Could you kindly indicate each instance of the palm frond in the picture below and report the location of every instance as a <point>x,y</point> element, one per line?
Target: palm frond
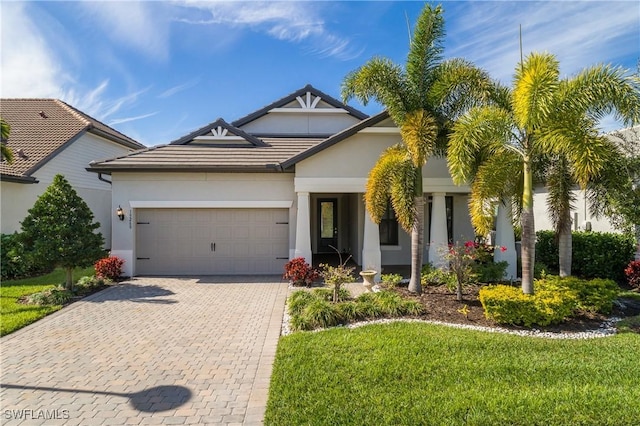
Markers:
<point>425,52</point>
<point>380,80</point>
<point>497,178</point>
<point>379,182</point>
<point>459,85</point>
<point>534,89</point>
<point>476,136</point>
<point>601,90</point>
<point>419,133</point>
<point>403,192</point>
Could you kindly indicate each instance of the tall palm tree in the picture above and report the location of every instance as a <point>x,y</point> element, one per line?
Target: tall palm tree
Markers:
<point>422,98</point>
<point>5,151</point>
<point>495,146</point>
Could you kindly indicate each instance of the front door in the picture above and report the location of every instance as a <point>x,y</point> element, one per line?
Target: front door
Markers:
<point>327,225</point>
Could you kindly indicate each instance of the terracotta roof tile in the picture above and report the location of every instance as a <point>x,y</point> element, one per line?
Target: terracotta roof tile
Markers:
<point>40,127</point>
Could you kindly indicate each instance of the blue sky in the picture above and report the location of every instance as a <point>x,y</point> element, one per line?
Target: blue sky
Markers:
<point>157,70</point>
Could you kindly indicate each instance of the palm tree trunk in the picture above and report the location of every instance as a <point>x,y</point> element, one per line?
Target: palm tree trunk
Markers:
<point>417,245</point>
<point>528,230</point>
<point>565,242</point>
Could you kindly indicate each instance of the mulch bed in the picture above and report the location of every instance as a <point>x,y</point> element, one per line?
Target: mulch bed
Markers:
<point>441,305</point>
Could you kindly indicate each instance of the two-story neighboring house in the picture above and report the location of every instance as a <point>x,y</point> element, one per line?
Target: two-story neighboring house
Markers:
<point>50,137</point>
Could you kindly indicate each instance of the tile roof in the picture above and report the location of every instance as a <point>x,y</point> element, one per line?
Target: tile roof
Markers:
<point>42,127</point>
<point>208,158</point>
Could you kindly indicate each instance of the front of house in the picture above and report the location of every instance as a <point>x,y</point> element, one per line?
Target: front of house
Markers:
<point>283,182</point>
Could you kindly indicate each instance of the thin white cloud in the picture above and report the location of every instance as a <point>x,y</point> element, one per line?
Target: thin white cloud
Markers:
<point>179,88</point>
<point>29,66</point>
<point>580,34</point>
<point>129,119</point>
<point>296,22</point>
<point>143,26</point>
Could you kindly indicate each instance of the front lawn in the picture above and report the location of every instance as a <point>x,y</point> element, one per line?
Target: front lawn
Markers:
<point>416,373</point>
<point>16,315</point>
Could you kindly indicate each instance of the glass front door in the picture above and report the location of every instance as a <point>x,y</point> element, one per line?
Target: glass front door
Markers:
<point>327,224</point>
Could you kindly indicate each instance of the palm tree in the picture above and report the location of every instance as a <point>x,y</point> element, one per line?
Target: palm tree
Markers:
<point>422,98</point>
<point>498,148</point>
<point>5,151</point>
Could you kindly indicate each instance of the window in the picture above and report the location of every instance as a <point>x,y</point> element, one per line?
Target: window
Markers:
<point>389,228</point>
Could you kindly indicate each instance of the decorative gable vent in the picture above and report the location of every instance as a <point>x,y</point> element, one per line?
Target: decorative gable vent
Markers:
<point>308,103</point>
<point>221,133</point>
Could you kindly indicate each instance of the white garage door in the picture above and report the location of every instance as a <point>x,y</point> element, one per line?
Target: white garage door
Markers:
<point>211,241</point>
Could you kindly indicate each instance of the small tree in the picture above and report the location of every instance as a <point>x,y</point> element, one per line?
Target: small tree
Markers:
<point>59,229</point>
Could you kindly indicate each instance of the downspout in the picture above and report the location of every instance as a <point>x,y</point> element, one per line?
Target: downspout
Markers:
<point>103,179</point>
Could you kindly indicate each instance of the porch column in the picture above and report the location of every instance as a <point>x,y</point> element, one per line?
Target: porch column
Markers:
<point>371,255</point>
<point>438,241</point>
<point>303,228</point>
<point>505,237</point>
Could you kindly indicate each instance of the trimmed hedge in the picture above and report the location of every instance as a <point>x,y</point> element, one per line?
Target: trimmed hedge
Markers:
<point>554,300</point>
<point>595,254</point>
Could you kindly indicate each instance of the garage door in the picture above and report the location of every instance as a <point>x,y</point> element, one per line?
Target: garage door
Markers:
<point>211,241</point>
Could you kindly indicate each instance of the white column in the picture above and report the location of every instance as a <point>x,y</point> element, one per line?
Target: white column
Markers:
<point>371,255</point>
<point>303,228</point>
<point>438,239</point>
<point>505,237</point>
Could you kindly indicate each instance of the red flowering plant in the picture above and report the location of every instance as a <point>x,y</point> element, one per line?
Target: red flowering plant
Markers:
<point>109,267</point>
<point>632,272</point>
<point>299,272</point>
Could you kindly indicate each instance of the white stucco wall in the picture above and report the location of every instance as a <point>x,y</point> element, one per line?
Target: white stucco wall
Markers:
<point>543,222</point>
<point>195,190</point>
<point>17,199</point>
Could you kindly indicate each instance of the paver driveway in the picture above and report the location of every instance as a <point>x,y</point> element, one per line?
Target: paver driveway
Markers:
<point>148,351</point>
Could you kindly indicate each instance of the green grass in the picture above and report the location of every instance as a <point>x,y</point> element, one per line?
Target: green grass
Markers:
<point>15,315</point>
<point>414,373</point>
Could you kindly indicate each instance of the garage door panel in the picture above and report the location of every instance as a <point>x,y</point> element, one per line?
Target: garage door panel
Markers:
<point>179,241</point>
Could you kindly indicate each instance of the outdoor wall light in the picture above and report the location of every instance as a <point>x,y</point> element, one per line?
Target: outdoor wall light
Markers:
<point>120,213</point>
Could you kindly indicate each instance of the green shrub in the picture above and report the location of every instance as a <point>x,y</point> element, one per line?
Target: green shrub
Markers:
<point>390,303</point>
<point>435,276</point>
<point>594,254</point>
<point>554,300</point>
<point>314,309</point>
<point>508,305</point>
<point>595,295</point>
<point>53,296</point>
<point>322,314</point>
<point>15,262</point>
<point>412,307</point>
<point>298,300</point>
<point>490,272</point>
<point>391,280</point>
<point>327,294</point>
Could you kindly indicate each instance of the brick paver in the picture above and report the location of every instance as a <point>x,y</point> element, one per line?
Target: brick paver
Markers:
<point>148,351</point>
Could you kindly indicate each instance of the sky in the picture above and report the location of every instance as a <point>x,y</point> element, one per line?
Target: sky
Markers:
<point>157,70</point>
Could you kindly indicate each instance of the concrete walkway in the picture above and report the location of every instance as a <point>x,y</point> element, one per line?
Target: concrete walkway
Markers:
<point>148,351</point>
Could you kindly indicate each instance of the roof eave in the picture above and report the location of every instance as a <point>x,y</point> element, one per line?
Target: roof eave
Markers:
<point>17,179</point>
<point>266,168</point>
